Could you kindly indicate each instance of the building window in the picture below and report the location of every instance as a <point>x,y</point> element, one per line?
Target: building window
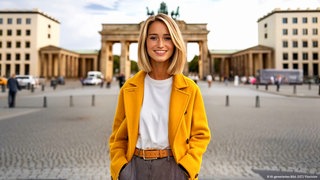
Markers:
<point>315,20</point>
<point>284,31</point>
<point>295,66</point>
<point>315,31</point>
<point>295,31</point>
<point>284,20</point>
<point>265,25</point>
<point>295,56</point>
<point>49,36</point>
<point>27,57</point>
<point>0,32</point>
<point>18,32</point>
<point>305,44</point>
<point>285,66</point>
<point>28,21</point>
<point>0,45</point>
<point>19,21</point>
<point>49,26</point>
<point>266,36</point>
<point>304,20</point>
<point>9,44</point>
<point>294,20</point>
<point>27,44</point>
<point>315,56</point>
<point>8,57</point>
<point>17,57</point>
<point>18,44</point>
<point>305,56</point>
<point>1,21</point>
<point>295,44</point>
<point>315,44</point>
<point>285,56</point>
<point>284,44</point>
<point>9,21</point>
<point>9,32</point>
<point>28,32</point>
<point>305,31</point>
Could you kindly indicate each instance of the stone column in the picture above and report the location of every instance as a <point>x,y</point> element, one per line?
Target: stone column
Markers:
<point>250,65</point>
<point>124,58</point>
<point>49,65</point>
<point>186,65</point>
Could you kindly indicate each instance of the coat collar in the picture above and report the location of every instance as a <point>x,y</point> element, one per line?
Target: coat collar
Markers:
<point>179,81</point>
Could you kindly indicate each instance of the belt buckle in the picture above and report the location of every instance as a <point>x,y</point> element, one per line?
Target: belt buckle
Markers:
<point>147,159</point>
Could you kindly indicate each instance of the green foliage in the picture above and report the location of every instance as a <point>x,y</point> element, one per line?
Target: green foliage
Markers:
<point>194,64</point>
<point>116,65</point>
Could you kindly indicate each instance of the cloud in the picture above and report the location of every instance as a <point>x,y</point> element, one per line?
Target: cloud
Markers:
<point>98,7</point>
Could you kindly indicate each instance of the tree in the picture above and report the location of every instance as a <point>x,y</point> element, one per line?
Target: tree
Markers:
<point>194,64</point>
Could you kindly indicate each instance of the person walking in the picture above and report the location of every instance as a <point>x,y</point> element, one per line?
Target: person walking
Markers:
<point>209,80</point>
<point>160,129</point>
<point>13,86</point>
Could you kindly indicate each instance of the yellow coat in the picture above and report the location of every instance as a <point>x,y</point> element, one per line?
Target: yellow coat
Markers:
<point>189,133</point>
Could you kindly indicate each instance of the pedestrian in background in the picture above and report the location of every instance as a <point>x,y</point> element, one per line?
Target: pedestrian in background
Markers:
<point>13,86</point>
<point>160,128</point>
<point>209,80</point>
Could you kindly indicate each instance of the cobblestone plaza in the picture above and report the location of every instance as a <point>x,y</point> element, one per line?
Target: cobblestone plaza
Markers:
<point>256,134</point>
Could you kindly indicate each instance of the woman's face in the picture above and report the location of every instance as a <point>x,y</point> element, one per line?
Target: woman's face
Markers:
<point>159,44</point>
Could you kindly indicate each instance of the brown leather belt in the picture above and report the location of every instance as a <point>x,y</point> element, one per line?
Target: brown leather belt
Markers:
<point>153,154</point>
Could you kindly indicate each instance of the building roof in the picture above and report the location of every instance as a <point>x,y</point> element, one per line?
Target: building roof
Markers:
<point>33,11</point>
<point>278,10</point>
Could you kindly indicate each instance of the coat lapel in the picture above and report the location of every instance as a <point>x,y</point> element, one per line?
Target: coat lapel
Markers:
<point>178,105</point>
<point>133,96</point>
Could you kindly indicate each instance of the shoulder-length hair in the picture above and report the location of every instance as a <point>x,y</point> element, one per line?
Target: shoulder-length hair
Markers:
<point>178,58</point>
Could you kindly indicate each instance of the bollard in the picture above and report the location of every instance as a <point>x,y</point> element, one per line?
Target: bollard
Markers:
<point>3,88</point>
<point>93,99</point>
<point>257,101</point>
<point>266,87</point>
<point>42,87</point>
<point>309,85</point>
<point>32,88</point>
<point>227,100</point>
<point>294,89</point>
<point>44,101</point>
<point>71,101</point>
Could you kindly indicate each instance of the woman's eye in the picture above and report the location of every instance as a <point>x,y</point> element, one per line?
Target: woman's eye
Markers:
<point>167,38</point>
<point>153,37</point>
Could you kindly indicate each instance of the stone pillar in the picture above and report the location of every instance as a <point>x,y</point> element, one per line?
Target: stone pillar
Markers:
<point>186,65</point>
<point>204,64</point>
<point>106,59</point>
<point>49,65</point>
<point>250,65</point>
<point>124,59</point>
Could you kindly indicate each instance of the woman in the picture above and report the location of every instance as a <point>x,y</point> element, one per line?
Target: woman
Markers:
<point>160,128</point>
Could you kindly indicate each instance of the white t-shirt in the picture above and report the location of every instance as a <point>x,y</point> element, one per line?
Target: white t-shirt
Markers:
<point>154,115</point>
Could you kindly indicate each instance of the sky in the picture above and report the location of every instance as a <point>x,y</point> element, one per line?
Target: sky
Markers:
<point>232,23</point>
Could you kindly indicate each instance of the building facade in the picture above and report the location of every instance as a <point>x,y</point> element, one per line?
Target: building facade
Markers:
<point>22,35</point>
<point>294,36</point>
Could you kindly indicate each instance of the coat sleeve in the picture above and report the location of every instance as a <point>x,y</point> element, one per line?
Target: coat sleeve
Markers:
<point>199,137</point>
<point>118,140</point>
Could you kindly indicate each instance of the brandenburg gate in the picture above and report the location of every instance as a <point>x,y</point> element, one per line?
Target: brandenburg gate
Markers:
<point>125,34</point>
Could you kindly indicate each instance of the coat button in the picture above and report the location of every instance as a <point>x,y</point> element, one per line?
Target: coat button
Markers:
<point>187,141</point>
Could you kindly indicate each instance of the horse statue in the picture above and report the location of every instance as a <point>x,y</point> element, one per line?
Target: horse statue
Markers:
<point>176,14</point>
<point>150,13</point>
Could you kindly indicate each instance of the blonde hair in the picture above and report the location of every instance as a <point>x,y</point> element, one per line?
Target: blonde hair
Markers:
<point>178,58</point>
